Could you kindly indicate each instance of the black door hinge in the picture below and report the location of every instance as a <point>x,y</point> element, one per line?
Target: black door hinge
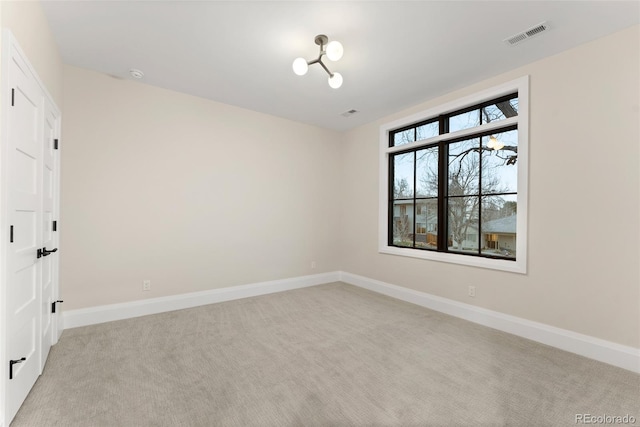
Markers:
<point>13,362</point>
<point>55,225</point>
<point>53,305</point>
<point>55,144</point>
<point>11,234</point>
<point>13,97</point>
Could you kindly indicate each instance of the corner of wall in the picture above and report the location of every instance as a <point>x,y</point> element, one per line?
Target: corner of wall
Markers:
<point>29,25</point>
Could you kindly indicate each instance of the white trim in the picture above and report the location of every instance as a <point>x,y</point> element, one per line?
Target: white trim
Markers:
<point>473,261</point>
<point>520,264</point>
<point>127,310</point>
<point>594,348</point>
<point>57,321</point>
<point>4,211</point>
<point>60,327</point>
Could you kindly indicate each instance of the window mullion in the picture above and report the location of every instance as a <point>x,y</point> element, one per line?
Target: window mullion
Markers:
<point>479,185</point>
<point>479,195</point>
<point>443,154</point>
<point>415,159</point>
<point>390,193</point>
<point>390,198</point>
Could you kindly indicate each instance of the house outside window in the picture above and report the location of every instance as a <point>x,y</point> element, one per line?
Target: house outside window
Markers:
<point>456,181</point>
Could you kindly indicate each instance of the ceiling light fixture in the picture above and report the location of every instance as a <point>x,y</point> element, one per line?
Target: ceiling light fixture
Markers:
<point>333,52</point>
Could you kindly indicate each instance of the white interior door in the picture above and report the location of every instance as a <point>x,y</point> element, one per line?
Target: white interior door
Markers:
<point>23,305</point>
<point>49,260</point>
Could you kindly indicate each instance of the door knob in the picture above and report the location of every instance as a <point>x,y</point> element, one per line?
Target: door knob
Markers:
<point>46,252</point>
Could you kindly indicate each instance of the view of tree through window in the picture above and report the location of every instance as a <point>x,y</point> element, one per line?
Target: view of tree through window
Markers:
<point>473,210</point>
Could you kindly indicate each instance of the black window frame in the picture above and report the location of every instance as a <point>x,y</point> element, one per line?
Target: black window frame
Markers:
<point>442,197</point>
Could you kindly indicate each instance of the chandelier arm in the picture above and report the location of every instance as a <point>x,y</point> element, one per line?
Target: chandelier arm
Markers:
<point>325,68</point>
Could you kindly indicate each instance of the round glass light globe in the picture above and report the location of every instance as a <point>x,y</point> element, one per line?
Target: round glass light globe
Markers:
<point>334,50</point>
<point>335,81</point>
<point>300,66</point>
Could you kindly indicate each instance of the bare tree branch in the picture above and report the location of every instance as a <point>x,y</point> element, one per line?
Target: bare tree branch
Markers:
<point>507,109</point>
<point>510,160</point>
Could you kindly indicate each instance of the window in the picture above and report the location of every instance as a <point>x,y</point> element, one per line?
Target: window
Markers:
<point>453,181</point>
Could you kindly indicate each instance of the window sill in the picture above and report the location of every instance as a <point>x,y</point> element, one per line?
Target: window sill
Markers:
<point>517,266</point>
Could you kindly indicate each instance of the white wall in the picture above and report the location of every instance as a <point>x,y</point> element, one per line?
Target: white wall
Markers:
<point>27,22</point>
<point>197,195</point>
<point>189,193</point>
<point>584,234</point>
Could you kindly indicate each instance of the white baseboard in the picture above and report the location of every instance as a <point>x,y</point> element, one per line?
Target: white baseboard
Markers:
<point>584,345</point>
<point>127,310</point>
<point>604,351</point>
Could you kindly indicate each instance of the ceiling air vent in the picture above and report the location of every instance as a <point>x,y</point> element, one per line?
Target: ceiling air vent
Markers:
<point>527,34</point>
<point>349,113</point>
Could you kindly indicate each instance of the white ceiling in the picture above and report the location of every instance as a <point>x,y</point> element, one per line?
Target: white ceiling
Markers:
<point>397,54</point>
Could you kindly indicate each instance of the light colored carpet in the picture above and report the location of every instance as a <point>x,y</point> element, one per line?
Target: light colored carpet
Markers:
<point>329,355</point>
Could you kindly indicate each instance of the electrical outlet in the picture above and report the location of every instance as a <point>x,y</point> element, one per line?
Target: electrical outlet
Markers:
<point>472,291</point>
<point>146,285</point>
<point>313,265</point>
